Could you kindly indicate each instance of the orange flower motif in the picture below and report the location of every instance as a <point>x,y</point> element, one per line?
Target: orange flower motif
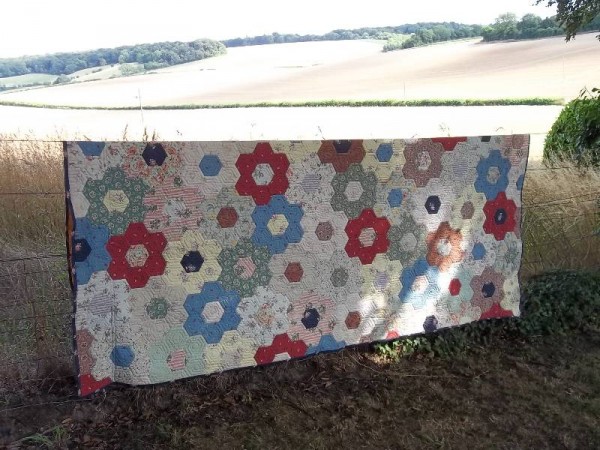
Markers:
<point>443,247</point>
<point>341,154</point>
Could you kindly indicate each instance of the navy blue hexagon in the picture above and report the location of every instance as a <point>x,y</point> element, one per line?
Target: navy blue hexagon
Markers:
<point>395,198</point>
<point>488,290</point>
<point>311,318</point>
<point>122,355</point>
<point>210,165</point>
<point>263,214</point>
<point>432,204</point>
<point>384,152</point>
<point>154,154</point>
<point>211,329</point>
<point>342,146</point>
<point>192,261</point>
<point>90,148</point>
<point>81,250</point>
<point>430,324</point>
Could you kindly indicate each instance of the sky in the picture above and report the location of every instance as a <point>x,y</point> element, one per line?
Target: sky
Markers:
<point>41,26</point>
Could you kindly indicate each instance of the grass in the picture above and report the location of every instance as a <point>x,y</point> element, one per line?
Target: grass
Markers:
<point>534,101</point>
<point>27,80</point>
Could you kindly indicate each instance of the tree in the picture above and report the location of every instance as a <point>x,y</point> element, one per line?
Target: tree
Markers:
<point>573,15</point>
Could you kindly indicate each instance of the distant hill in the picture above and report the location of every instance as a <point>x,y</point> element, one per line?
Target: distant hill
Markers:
<point>151,56</point>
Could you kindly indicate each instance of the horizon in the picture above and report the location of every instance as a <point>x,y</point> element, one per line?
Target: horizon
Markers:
<point>167,24</point>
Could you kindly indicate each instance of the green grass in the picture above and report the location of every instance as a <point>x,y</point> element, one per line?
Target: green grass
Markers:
<point>27,80</point>
<point>534,101</point>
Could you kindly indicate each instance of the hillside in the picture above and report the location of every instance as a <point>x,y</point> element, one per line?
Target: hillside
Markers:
<point>348,70</point>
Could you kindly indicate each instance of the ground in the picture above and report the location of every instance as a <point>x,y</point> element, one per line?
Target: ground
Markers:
<point>541,393</point>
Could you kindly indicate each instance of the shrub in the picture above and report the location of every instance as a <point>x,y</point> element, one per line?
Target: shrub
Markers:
<point>575,136</point>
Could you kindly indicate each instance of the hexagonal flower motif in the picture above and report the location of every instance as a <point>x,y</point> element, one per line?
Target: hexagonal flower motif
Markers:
<point>264,315</point>
<point>515,148</point>
<point>326,344</point>
<point>344,199</point>
<point>245,267</point>
<point>488,289</point>
<point>323,229</point>
<point>467,209</point>
<point>381,277</point>
<point>480,251</point>
<point>420,284</point>
<point>260,189</point>
<point>433,205</point>
<point>449,143</point>
<point>310,181</point>
<point>294,271</point>
<point>383,158</point>
<point>282,348</point>
<point>311,316</point>
<point>90,148</point>
<point>88,250</point>
<point>84,341</point>
<point>227,218</point>
<point>341,154</point>
<point>115,201</point>
<point>500,216</point>
<point>192,278</point>
<point>423,161</point>
<point>277,224</point>
<point>492,175</point>
<point>338,276</point>
<point>158,163</point>
<point>407,240</point>
<point>358,315</point>
<point>367,236</point>
<point>231,352</point>
<point>136,255</point>
<point>173,210</point>
<point>201,161</point>
<point>444,247</point>
<point>458,292</point>
<point>211,312</point>
<point>156,308</point>
<point>176,355</point>
<point>508,254</point>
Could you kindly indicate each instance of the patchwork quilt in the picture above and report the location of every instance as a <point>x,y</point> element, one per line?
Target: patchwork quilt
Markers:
<point>189,258</point>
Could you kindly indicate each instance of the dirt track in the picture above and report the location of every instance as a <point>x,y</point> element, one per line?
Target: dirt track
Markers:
<point>350,70</point>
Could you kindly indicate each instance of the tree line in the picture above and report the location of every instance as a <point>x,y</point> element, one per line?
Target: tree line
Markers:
<point>507,26</point>
<point>152,56</point>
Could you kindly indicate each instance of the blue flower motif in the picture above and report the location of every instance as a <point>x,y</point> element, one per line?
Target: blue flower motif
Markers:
<point>492,175</point>
<point>272,230</point>
<point>89,249</point>
<point>327,343</point>
<point>427,287</point>
<point>212,321</point>
<point>90,148</point>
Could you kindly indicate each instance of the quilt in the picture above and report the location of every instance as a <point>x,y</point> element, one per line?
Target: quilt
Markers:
<point>189,258</point>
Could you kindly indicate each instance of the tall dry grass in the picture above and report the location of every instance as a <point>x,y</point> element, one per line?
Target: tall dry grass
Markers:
<point>560,215</point>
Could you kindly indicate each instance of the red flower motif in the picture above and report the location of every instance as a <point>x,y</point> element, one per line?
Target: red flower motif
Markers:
<point>136,255</point>
<point>367,236</point>
<point>281,344</point>
<point>449,143</point>
<point>88,384</point>
<point>496,312</point>
<point>247,163</point>
<point>500,216</point>
<point>341,154</point>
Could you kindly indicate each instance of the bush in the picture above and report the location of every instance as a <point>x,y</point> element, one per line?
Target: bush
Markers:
<point>552,303</point>
<point>575,136</point>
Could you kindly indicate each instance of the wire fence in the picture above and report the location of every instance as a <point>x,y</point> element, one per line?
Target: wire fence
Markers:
<point>560,216</point>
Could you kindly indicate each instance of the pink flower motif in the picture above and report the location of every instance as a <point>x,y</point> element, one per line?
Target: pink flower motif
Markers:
<point>173,210</point>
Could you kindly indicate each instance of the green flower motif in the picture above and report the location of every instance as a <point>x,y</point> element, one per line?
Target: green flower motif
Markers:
<point>157,308</point>
<point>115,200</point>
<point>176,355</point>
<point>354,190</point>
<point>245,267</point>
<point>406,240</point>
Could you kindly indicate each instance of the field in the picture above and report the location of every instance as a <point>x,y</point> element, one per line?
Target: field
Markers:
<point>27,80</point>
<point>349,70</point>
